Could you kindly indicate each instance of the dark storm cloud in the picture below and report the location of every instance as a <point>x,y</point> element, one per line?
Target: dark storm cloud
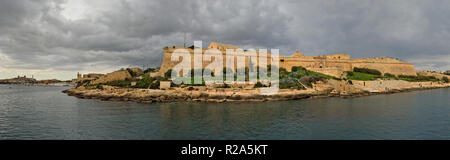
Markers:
<point>115,33</point>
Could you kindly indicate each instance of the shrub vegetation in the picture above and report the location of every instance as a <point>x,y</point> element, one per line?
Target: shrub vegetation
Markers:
<point>445,79</point>
<point>390,75</point>
<point>447,73</point>
<point>300,77</point>
<point>124,83</point>
<point>419,78</point>
<point>149,70</point>
<point>365,74</point>
<point>367,71</point>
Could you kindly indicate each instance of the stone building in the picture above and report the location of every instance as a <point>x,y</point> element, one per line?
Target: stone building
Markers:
<point>89,76</point>
<point>221,46</point>
<point>96,78</point>
<point>335,64</point>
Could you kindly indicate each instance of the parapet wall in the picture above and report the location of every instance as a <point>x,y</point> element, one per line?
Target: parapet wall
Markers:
<point>437,75</point>
<point>113,76</point>
<point>391,68</point>
<point>385,65</point>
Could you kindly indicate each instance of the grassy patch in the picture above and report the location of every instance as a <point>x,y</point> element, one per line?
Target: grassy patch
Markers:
<point>367,71</point>
<point>366,74</point>
<point>418,78</point>
<point>146,75</point>
<point>361,76</point>
<point>388,76</point>
<point>370,77</point>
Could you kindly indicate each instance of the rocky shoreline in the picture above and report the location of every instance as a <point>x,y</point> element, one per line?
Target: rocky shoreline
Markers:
<point>219,95</point>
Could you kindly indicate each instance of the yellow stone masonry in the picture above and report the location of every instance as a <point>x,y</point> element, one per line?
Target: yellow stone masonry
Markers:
<point>334,65</point>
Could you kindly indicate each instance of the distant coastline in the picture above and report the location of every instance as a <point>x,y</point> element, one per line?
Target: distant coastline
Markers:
<point>33,82</point>
<point>62,84</point>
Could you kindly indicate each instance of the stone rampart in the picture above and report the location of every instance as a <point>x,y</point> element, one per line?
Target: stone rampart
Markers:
<point>341,62</point>
<point>113,76</point>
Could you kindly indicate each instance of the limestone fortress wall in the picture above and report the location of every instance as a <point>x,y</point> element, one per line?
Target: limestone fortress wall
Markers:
<point>334,65</point>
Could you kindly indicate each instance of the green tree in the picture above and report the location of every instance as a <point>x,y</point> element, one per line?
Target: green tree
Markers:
<point>445,79</point>
<point>168,74</point>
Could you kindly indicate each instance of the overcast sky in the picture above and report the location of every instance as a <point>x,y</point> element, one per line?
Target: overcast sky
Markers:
<point>57,38</point>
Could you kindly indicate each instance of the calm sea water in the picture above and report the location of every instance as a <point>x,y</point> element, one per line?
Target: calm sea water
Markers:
<point>28,112</point>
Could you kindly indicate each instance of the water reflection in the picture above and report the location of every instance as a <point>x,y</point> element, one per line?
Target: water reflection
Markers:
<point>46,113</point>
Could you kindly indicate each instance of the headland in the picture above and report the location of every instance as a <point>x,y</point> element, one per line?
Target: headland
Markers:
<point>24,80</point>
<point>300,77</point>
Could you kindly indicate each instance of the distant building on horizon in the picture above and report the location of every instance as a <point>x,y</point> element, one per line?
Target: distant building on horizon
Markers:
<point>18,80</point>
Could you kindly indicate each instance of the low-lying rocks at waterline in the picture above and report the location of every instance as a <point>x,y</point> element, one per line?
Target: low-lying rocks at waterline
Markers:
<point>332,88</point>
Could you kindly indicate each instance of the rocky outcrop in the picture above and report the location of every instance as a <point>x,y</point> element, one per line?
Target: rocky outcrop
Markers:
<point>196,94</point>
<point>437,75</point>
<point>332,88</point>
